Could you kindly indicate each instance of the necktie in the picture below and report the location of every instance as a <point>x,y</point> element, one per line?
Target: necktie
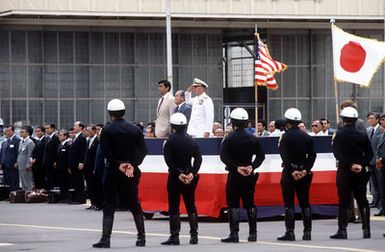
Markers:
<point>371,134</point>
<point>159,105</point>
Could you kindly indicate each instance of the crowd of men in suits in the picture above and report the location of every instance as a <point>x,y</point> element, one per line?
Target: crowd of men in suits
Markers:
<point>55,160</point>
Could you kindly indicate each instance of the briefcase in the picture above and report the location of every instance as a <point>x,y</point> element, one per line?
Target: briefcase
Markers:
<point>37,196</point>
<point>4,192</point>
<point>17,196</point>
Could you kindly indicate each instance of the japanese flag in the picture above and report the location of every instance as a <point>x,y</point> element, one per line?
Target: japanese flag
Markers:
<point>356,59</point>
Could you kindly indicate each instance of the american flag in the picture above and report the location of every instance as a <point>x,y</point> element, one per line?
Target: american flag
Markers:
<point>265,66</point>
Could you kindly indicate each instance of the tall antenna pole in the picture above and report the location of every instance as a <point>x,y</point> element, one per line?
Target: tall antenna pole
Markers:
<point>169,44</point>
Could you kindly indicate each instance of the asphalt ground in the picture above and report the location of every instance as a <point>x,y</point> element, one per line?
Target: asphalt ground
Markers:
<point>61,227</point>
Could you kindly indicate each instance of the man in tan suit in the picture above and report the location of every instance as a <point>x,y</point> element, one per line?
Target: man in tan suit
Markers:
<point>164,110</point>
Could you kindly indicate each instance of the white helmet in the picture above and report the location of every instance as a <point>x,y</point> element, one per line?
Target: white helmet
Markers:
<point>115,105</point>
<point>239,114</point>
<point>349,112</point>
<point>178,119</point>
<point>293,114</point>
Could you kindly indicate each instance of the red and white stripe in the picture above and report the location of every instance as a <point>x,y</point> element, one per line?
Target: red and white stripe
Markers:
<point>266,67</point>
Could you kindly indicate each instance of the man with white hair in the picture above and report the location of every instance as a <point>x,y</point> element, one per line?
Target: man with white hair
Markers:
<point>202,114</point>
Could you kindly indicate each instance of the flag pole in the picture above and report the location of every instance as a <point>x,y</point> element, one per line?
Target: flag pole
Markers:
<point>255,85</point>
<point>337,106</point>
<point>169,44</point>
<point>332,21</point>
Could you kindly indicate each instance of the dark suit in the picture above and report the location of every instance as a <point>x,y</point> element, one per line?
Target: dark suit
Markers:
<point>37,168</point>
<point>376,178</point>
<point>76,155</point>
<point>8,157</point>
<point>184,109</point>
<point>99,177</point>
<point>49,158</point>
<point>89,163</point>
<point>62,169</point>
<point>381,174</point>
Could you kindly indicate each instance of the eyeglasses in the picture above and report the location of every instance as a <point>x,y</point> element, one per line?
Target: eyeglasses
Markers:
<point>314,125</point>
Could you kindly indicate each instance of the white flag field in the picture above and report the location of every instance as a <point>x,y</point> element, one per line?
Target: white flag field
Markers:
<point>356,59</point>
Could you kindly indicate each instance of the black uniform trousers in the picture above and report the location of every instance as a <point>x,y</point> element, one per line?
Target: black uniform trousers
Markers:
<point>348,182</point>
<point>175,189</point>
<point>117,184</point>
<point>290,187</point>
<point>237,187</point>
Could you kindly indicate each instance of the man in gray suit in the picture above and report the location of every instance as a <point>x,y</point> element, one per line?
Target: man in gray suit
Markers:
<point>181,105</point>
<point>25,151</point>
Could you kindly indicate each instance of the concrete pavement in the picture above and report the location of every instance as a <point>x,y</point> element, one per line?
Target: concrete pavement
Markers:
<point>59,227</point>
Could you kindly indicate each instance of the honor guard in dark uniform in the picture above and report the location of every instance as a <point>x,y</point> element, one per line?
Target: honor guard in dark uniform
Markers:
<point>183,177</point>
<point>237,151</point>
<point>353,151</point>
<point>124,148</point>
<point>298,156</point>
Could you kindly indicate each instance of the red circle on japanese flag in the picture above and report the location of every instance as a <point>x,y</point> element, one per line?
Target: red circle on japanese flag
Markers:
<point>352,57</point>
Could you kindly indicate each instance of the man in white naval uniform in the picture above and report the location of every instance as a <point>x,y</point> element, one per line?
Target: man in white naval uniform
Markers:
<point>202,112</point>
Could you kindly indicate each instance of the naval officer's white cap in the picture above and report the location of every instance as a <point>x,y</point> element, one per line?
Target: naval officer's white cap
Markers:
<point>198,82</point>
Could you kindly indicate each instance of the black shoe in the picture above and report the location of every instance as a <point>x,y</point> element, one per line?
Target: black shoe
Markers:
<point>340,234</point>
<point>252,237</point>
<point>288,236</point>
<point>172,240</point>
<point>306,236</point>
<point>140,242</point>
<point>194,239</point>
<point>231,239</point>
<point>101,244</point>
<point>92,207</point>
<point>193,222</point>
<point>380,213</point>
<point>366,234</point>
<point>289,225</point>
<point>234,226</point>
